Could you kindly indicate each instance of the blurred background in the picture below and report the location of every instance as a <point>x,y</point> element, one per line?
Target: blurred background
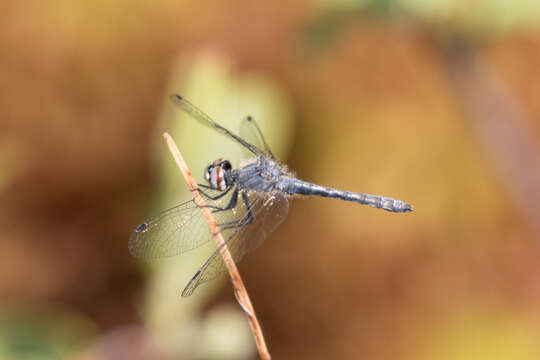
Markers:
<point>435,103</point>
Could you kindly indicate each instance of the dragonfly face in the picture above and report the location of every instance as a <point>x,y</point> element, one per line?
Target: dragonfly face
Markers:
<point>215,174</point>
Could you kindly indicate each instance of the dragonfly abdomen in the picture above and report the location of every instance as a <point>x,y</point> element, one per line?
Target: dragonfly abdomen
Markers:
<point>380,202</point>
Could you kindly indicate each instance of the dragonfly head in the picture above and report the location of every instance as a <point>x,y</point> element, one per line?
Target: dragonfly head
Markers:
<point>215,174</point>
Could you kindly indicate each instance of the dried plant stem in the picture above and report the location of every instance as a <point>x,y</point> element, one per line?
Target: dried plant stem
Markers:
<point>238,284</point>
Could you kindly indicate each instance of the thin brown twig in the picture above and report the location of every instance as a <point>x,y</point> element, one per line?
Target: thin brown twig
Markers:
<point>238,285</point>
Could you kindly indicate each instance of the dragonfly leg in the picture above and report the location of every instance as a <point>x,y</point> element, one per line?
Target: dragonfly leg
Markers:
<point>248,219</point>
<point>229,225</point>
<point>230,205</point>
<point>249,213</point>
<point>212,197</point>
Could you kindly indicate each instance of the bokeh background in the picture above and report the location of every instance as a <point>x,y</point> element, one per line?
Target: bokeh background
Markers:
<point>435,103</point>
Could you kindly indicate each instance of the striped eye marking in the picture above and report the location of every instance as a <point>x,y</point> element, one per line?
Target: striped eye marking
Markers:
<point>215,174</point>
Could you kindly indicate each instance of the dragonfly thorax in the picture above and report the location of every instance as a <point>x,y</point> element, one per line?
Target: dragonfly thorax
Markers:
<point>215,174</point>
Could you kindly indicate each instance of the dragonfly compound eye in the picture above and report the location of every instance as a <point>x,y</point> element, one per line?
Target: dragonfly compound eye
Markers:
<point>226,165</point>
<point>208,173</point>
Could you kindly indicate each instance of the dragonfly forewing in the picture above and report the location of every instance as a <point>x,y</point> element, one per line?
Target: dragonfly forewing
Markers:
<point>178,229</point>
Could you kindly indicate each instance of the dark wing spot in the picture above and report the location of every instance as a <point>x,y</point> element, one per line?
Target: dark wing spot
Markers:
<point>143,226</point>
<point>249,118</point>
<point>196,274</point>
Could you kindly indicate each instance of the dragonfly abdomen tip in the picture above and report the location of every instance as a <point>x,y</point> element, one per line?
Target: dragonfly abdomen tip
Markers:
<point>407,208</point>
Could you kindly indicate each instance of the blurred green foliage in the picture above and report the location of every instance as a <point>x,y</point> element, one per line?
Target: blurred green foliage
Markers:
<point>208,83</point>
<point>43,333</point>
<point>476,20</point>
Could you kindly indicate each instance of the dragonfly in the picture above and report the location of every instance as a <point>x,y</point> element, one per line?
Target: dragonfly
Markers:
<point>247,202</point>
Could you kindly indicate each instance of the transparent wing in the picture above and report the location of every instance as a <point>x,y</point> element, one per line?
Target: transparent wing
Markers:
<point>268,211</point>
<point>178,229</point>
<point>251,132</point>
<point>206,120</point>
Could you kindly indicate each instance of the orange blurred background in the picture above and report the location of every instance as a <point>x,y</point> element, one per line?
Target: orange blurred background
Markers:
<point>434,103</point>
